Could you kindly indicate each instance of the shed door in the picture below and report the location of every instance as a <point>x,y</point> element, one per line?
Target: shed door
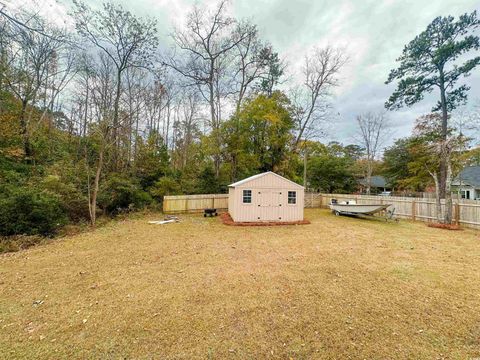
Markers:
<point>269,205</point>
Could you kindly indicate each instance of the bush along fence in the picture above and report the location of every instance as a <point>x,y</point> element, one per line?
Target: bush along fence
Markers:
<point>465,212</point>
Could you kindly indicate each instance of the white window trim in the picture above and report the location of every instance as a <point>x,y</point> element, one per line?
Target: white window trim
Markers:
<point>296,197</point>
<point>251,197</point>
<point>463,194</point>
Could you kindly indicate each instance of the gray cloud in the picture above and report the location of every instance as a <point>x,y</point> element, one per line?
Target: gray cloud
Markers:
<point>373,32</point>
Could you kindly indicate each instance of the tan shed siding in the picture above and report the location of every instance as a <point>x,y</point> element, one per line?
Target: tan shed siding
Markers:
<point>231,202</point>
<point>269,200</point>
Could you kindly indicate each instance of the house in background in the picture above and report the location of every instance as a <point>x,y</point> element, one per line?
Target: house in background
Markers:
<point>378,184</point>
<point>266,197</point>
<point>467,183</point>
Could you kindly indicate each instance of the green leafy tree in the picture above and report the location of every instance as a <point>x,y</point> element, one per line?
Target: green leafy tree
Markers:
<point>165,186</point>
<point>207,182</point>
<point>152,160</point>
<point>330,167</point>
<point>427,151</point>
<point>436,59</point>
<point>396,159</point>
<point>258,137</point>
<point>274,70</point>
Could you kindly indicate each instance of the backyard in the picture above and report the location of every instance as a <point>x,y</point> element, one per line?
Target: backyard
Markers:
<point>337,288</point>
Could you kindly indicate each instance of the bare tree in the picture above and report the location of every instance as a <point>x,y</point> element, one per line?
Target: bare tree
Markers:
<point>102,100</point>
<point>32,64</point>
<point>311,100</point>
<point>187,126</point>
<point>155,103</point>
<point>25,23</point>
<point>320,75</point>
<point>206,50</point>
<point>251,62</point>
<point>5,44</point>
<point>82,91</point>
<point>372,133</point>
<point>128,41</point>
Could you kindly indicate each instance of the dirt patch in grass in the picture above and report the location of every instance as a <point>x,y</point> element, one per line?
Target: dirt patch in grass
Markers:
<point>338,288</point>
<point>227,220</point>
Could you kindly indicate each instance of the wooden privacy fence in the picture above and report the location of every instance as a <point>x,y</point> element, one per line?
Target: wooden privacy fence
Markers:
<point>194,203</point>
<point>465,212</point>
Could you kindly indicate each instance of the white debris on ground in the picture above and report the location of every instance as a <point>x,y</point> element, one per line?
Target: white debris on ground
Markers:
<point>167,220</point>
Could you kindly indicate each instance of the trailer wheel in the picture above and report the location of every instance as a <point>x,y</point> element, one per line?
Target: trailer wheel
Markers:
<point>337,213</point>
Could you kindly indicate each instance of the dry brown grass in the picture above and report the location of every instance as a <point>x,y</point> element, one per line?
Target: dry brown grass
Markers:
<point>338,288</point>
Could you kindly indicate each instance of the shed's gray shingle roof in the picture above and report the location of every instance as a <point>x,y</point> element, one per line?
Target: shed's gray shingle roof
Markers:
<point>470,175</point>
<point>376,181</point>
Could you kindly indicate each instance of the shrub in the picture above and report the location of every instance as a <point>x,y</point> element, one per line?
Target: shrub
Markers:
<point>28,211</point>
<point>207,182</point>
<point>119,194</point>
<point>73,201</point>
<point>164,186</point>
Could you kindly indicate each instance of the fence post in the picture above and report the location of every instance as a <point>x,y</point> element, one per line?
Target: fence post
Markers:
<point>457,213</point>
<point>414,209</point>
<point>321,201</point>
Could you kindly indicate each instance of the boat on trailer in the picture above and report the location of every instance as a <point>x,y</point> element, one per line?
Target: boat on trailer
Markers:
<point>350,207</point>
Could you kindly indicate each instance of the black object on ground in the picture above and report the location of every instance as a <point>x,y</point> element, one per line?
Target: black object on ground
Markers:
<point>210,212</point>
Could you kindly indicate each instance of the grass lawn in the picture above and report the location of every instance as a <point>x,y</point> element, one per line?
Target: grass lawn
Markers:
<point>337,288</point>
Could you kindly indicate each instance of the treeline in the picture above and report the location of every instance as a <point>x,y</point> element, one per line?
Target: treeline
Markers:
<point>99,120</point>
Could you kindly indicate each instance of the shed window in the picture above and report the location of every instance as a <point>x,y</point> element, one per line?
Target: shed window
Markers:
<point>292,197</point>
<point>247,196</point>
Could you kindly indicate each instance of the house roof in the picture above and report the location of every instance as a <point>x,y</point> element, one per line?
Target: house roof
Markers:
<point>246,180</point>
<point>469,175</point>
<point>375,181</point>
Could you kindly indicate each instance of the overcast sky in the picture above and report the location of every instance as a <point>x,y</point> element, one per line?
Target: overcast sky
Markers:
<point>373,32</point>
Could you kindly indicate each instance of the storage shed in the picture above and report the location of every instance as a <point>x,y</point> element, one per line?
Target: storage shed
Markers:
<point>266,197</point>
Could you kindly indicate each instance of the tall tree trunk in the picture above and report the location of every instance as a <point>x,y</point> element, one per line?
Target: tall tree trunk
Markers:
<point>27,147</point>
<point>438,202</point>
<point>214,120</point>
<point>369,175</point>
<point>448,215</point>
<point>85,115</point>
<point>443,160</point>
<point>167,126</point>
<point>445,192</point>
<point>305,169</point>
<point>116,106</point>
<point>93,200</point>
<point>136,134</point>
